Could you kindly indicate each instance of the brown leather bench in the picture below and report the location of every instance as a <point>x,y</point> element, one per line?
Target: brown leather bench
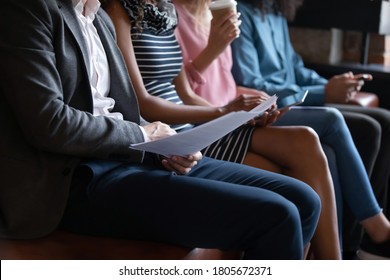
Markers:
<point>62,245</point>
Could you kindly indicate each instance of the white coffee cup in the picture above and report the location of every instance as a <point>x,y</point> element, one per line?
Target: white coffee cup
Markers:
<point>220,8</point>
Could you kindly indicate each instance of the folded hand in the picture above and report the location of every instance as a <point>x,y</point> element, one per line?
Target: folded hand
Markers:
<point>182,165</point>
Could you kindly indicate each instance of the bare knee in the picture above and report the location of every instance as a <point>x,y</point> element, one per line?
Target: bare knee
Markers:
<point>307,142</point>
<point>304,135</point>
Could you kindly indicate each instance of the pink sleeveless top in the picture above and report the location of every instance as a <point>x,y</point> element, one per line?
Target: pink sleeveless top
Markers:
<point>216,84</point>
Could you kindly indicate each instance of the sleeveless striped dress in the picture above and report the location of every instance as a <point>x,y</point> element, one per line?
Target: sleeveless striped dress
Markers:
<point>159,59</point>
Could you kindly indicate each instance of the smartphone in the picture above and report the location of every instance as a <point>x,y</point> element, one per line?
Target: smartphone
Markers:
<point>364,77</point>
<point>291,100</point>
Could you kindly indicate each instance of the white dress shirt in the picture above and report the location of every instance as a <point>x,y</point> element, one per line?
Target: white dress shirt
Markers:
<point>99,71</point>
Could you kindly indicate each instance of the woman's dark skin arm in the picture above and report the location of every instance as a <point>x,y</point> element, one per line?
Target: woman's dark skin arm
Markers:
<point>153,108</point>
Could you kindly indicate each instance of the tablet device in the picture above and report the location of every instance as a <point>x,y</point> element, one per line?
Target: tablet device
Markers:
<point>291,100</point>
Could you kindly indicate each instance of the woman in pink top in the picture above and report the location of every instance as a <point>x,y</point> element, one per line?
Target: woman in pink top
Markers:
<point>194,36</point>
<point>208,68</point>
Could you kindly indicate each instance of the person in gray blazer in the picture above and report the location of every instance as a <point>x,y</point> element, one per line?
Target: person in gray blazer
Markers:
<point>68,114</point>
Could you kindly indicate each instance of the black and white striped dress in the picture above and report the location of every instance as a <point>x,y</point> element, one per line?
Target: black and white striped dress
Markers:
<point>159,59</point>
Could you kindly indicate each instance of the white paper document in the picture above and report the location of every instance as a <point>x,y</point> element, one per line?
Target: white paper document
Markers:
<point>199,137</point>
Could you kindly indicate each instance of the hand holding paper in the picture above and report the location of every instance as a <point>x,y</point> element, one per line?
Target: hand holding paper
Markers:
<point>199,137</point>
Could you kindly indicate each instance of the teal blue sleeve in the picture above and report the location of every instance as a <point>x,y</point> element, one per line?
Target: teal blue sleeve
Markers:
<point>264,59</point>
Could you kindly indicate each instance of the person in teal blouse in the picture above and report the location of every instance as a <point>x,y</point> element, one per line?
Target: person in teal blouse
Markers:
<point>264,59</point>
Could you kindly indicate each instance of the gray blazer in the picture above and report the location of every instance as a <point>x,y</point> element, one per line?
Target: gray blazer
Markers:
<point>45,112</point>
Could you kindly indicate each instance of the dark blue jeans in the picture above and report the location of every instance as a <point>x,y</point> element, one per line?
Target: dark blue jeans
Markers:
<point>351,181</point>
<point>217,205</point>
<point>370,129</point>
<point>380,176</point>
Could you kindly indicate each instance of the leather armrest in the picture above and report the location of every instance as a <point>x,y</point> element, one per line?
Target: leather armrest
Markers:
<point>365,99</point>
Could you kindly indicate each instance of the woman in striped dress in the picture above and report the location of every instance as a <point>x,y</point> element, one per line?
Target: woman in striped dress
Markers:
<point>146,38</point>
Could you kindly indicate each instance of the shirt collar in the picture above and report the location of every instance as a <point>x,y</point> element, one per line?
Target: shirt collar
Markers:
<point>90,7</point>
